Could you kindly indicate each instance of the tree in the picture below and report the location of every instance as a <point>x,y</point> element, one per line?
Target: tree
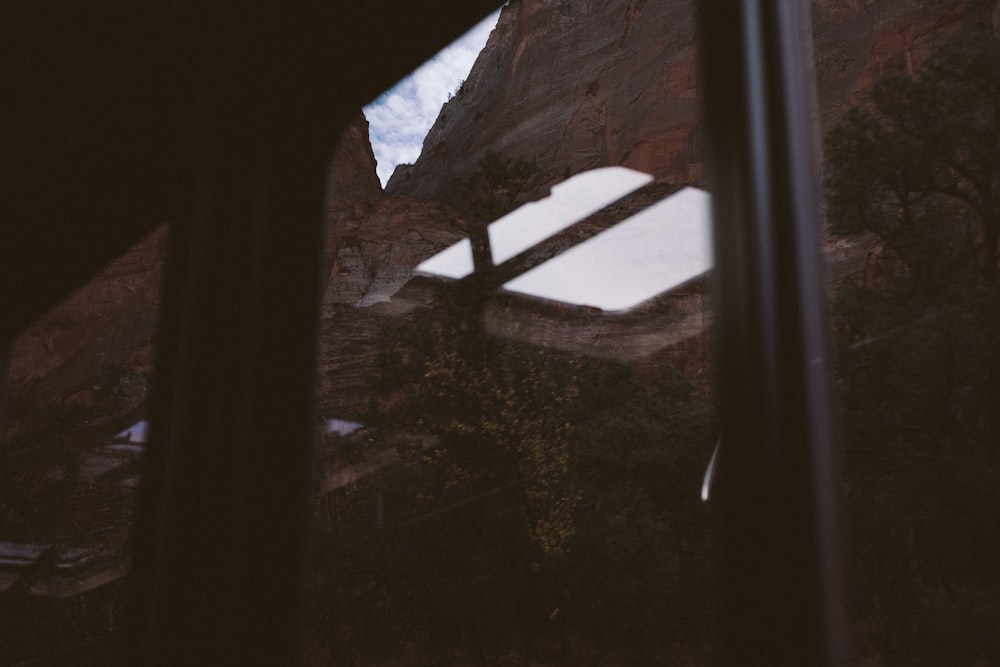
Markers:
<point>493,188</point>
<point>501,402</point>
<point>495,185</point>
<point>920,165</point>
<point>917,360</point>
<point>557,517</point>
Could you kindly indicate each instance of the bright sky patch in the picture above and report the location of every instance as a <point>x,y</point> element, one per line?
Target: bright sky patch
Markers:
<point>570,202</point>
<point>400,118</point>
<point>655,250</point>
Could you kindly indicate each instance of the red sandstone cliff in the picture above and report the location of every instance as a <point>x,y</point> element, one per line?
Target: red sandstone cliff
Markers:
<point>577,84</point>
<point>573,84</point>
<point>857,41</point>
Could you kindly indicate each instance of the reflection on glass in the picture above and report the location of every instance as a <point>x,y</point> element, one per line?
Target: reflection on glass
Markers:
<point>910,168</point>
<point>70,453</point>
<point>137,432</point>
<point>651,252</point>
<point>519,230</point>
<point>525,486</point>
<point>342,426</point>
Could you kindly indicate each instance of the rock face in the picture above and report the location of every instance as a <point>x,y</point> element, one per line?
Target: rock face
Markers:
<point>376,252</point>
<point>375,257</point>
<point>857,41</point>
<point>374,243</point>
<point>354,185</point>
<point>579,84</point>
<point>91,356</point>
<point>123,294</point>
<point>570,84</point>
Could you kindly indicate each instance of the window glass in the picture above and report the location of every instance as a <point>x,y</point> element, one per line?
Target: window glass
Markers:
<point>910,123</point>
<point>514,359</point>
<point>77,384</point>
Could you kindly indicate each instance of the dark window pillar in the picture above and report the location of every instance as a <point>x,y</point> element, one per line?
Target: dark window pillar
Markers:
<point>220,529</point>
<point>778,557</point>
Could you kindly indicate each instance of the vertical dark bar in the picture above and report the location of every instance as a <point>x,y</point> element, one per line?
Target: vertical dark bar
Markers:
<point>220,528</point>
<point>778,550</point>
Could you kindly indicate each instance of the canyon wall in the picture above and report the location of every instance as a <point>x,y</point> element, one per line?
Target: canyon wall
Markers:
<point>569,84</point>
<point>578,84</point>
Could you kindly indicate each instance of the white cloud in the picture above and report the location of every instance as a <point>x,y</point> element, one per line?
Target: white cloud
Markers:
<point>400,118</point>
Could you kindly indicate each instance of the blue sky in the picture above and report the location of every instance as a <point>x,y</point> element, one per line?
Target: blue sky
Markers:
<point>400,118</point>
